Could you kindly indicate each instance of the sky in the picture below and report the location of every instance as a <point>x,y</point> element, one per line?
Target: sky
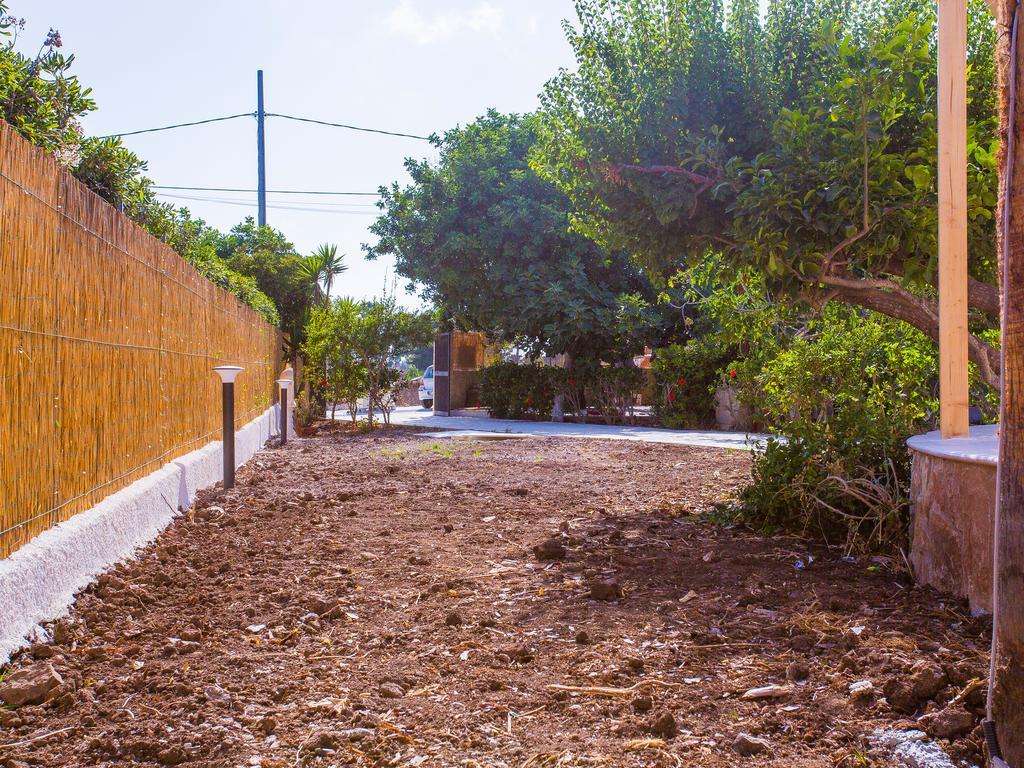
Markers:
<point>410,66</point>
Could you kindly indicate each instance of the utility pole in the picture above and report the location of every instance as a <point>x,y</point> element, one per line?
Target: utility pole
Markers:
<point>261,155</point>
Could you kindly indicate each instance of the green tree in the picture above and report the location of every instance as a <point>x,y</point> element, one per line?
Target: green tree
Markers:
<point>489,242</point>
<point>39,96</point>
<point>804,148</point>
<point>421,357</point>
<point>197,242</point>
<point>320,268</point>
<point>266,255</point>
<point>362,342</point>
<point>328,349</point>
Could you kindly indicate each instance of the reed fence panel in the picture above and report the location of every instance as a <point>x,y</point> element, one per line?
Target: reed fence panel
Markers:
<point>107,341</point>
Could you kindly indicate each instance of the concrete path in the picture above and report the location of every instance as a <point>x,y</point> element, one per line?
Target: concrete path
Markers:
<point>415,416</point>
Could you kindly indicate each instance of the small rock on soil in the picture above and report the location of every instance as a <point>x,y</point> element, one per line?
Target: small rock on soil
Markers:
<point>29,685</point>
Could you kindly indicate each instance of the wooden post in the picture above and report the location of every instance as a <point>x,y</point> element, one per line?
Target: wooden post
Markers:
<point>1008,575</point>
<point>952,115</point>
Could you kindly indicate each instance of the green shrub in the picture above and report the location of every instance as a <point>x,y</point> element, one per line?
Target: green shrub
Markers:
<point>611,390</point>
<point>518,390</point>
<point>242,286</point>
<point>305,411</point>
<point>686,376</point>
<point>845,396</point>
<point>572,385</point>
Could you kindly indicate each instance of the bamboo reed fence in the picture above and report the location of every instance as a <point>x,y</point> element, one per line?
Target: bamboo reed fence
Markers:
<point>107,341</point>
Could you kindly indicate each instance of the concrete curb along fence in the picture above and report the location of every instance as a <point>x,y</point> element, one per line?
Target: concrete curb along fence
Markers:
<point>39,581</point>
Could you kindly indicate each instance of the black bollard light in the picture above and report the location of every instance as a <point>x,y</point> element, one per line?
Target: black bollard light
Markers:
<point>284,384</point>
<point>227,374</point>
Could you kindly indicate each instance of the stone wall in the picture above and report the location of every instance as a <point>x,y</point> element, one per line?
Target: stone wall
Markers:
<point>953,508</point>
<point>40,580</point>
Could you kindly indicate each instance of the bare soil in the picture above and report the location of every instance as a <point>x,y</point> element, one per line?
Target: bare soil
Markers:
<point>377,600</point>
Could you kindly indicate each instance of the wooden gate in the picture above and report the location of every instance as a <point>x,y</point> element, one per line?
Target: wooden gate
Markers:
<point>442,374</point>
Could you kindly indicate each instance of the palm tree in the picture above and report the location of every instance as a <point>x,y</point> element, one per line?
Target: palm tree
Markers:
<point>320,268</point>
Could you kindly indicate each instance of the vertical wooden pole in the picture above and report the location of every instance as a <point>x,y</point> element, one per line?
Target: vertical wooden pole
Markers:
<point>1008,573</point>
<point>952,115</point>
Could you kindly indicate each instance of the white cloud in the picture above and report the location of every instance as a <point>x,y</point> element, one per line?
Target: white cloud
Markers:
<point>407,20</point>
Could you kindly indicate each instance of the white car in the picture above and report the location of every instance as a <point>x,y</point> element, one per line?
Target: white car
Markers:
<point>426,390</point>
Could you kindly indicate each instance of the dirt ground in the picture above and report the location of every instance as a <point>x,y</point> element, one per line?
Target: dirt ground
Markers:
<point>376,600</point>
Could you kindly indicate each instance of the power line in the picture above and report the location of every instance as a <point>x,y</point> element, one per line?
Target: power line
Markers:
<point>279,206</point>
<point>349,127</point>
<point>179,125</point>
<point>269,191</point>
<point>269,114</point>
<point>247,200</point>
<point>261,191</point>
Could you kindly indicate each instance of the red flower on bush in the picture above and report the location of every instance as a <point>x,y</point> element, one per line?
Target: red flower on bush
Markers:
<point>529,401</point>
<point>572,382</point>
<point>672,396</point>
<point>323,383</point>
<point>682,381</point>
<point>732,374</point>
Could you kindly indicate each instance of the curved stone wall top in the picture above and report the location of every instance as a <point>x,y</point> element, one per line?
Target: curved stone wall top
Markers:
<point>981,446</point>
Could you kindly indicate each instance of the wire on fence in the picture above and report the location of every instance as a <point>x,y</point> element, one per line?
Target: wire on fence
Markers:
<point>107,341</point>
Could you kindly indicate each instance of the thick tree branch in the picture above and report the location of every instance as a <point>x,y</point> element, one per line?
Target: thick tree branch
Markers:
<point>674,170</point>
<point>893,300</point>
<point>981,296</point>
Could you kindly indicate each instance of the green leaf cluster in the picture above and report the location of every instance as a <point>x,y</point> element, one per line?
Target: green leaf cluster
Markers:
<point>511,390</point>
<point>39,96</point>
<point>687,376</point>
<point>357,345</point>
<point>784,142</point>
<point>489,242</point>
<point>846,394</point>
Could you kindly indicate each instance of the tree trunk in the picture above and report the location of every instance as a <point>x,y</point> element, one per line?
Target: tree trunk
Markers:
<point>1008,593</point>
<point>558,409</point>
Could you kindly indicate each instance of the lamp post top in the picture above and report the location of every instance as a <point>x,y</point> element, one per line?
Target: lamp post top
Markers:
<point>228,373</point>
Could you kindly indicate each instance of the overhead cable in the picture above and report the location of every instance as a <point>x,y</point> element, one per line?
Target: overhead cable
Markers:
<point>179,125</point>
<point>349,127</point>
<point>269,191</point>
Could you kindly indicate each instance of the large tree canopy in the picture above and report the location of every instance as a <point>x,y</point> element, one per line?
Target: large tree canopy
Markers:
<point>268,257</point>
<point>489,242</point>
<point>803,146</point>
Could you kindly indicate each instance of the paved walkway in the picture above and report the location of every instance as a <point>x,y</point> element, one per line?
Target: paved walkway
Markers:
<point>467,425</point>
